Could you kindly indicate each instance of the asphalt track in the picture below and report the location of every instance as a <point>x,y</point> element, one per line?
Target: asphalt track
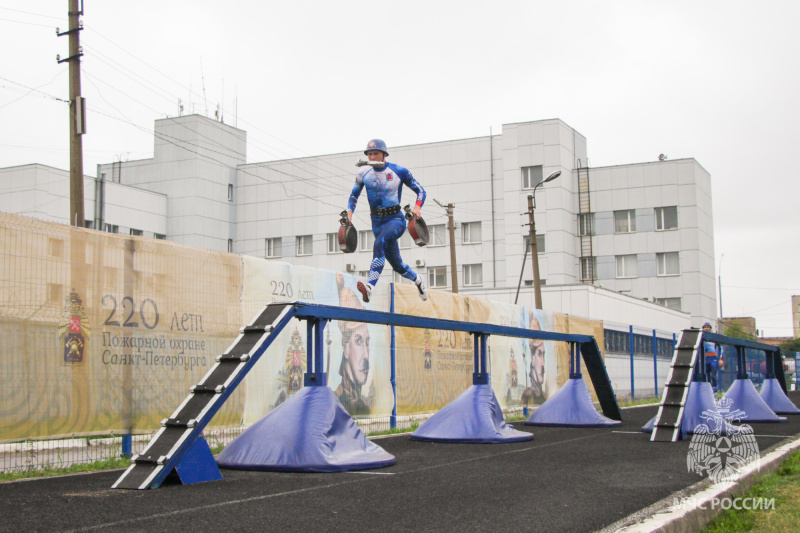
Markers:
<point>564,480</point>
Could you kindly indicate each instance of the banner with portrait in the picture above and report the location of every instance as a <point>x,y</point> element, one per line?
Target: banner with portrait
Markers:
<point>356,355</point>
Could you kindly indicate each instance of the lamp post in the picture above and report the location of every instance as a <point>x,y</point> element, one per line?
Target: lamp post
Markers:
<point>537,286</point>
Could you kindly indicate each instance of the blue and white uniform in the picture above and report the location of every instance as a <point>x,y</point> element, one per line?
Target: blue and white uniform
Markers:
<point>384,190</point>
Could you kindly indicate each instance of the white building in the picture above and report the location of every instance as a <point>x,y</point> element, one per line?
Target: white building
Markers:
<point>609,237</point>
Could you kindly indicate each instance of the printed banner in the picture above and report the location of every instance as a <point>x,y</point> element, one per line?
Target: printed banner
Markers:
<point>103,332</point>
<point>356,355</point>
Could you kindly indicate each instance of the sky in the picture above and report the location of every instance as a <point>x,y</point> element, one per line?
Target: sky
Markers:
<point>716,81</point>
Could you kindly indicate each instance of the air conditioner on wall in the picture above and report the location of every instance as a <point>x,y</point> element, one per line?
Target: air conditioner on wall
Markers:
<point>420,262</point>
<point>350,267</point>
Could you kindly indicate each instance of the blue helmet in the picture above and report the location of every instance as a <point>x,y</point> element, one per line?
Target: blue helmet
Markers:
<point>376,144</point>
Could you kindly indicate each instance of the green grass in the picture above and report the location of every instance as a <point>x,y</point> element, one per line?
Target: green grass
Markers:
<point>644,401</point>
<point>395,431</point>
<point>48,471</point>
<point>784,486</point>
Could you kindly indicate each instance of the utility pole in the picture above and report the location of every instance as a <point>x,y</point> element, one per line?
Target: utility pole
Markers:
<point>451,226</point>
<point>537,283</point>
<point>537,286</point>
<point>77,113</point>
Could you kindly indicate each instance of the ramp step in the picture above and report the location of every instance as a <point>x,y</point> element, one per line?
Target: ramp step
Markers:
<point>214,389</point>
<point>238,358</point>
<point>175,423</point>
<point>256,329</point>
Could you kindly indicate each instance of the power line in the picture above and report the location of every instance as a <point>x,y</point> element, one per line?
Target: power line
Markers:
<point>31,13</point>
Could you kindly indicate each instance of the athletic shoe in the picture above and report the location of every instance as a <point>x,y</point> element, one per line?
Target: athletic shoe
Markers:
<point>365,289</point>
<point>423,290</point>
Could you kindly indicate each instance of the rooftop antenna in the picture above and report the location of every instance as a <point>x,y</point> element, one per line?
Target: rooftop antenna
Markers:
<point>222,105</point>
<point>203,81</point>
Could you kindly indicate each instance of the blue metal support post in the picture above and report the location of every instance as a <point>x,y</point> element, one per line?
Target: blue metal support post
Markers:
<point>315,373</point>
<point>480,376</point>
<point>655,362</point>
<point>393,363</point>
<point>633,386</point>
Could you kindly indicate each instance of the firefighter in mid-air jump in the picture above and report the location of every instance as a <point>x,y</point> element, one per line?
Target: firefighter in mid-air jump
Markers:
<point>384,183</point>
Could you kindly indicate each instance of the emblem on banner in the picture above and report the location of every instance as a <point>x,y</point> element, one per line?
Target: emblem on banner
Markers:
<point>74,330</point>
<point>428,353</point>
<point>719,449</point>
<point>295,363</point>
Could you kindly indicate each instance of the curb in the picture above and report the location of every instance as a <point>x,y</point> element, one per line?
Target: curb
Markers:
<point>666,517</point>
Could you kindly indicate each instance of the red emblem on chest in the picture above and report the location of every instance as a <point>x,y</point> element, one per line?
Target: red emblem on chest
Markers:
<point>389,176</point>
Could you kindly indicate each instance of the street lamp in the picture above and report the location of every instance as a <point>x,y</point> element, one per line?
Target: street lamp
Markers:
<point>537,285</point>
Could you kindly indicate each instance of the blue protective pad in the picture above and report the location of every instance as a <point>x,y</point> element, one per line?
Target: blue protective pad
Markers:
<point>773,395</point>
<point>310,432</point>
<point>571,406</point>
<point>700,408</point>
<point>744,396</point>
<point>474,417</point>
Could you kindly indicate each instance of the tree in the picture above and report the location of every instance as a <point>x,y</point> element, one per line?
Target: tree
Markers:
<point>736,330</point>
<point>792,345</point>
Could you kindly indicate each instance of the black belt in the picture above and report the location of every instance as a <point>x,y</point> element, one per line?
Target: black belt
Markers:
<point>385,211</point>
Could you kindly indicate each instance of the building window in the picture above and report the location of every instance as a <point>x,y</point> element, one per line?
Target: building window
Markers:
<point>437,235</point>
<point>363,274</point>
<point>405,241</point>
<point>437,276</point>
<point>588,268</point>
<point>625,221</point>
<point>627,266</point>
<point>366,240</point>
<point>666,218</point>
<point>272,247</point>
<point>159,236</point>
<point>333,243</point>
<point>540,240</point>
<point>586,224</point>
<point>88,224</point>
<point>55,247</point>
<point>471,232</point>
<point>53,293</point>
<point>230,192</point>
<point>672,303</point>
<point>111,228</point>
<point>529,282</point>
<point>136,232</point>
<point>304,245</point>
<point>230,246</point>
<point>473,275</point>
<point>531,176</point>
<point>669,264</point>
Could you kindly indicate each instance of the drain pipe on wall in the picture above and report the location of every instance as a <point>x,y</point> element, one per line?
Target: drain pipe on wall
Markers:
<point>494,242</point>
